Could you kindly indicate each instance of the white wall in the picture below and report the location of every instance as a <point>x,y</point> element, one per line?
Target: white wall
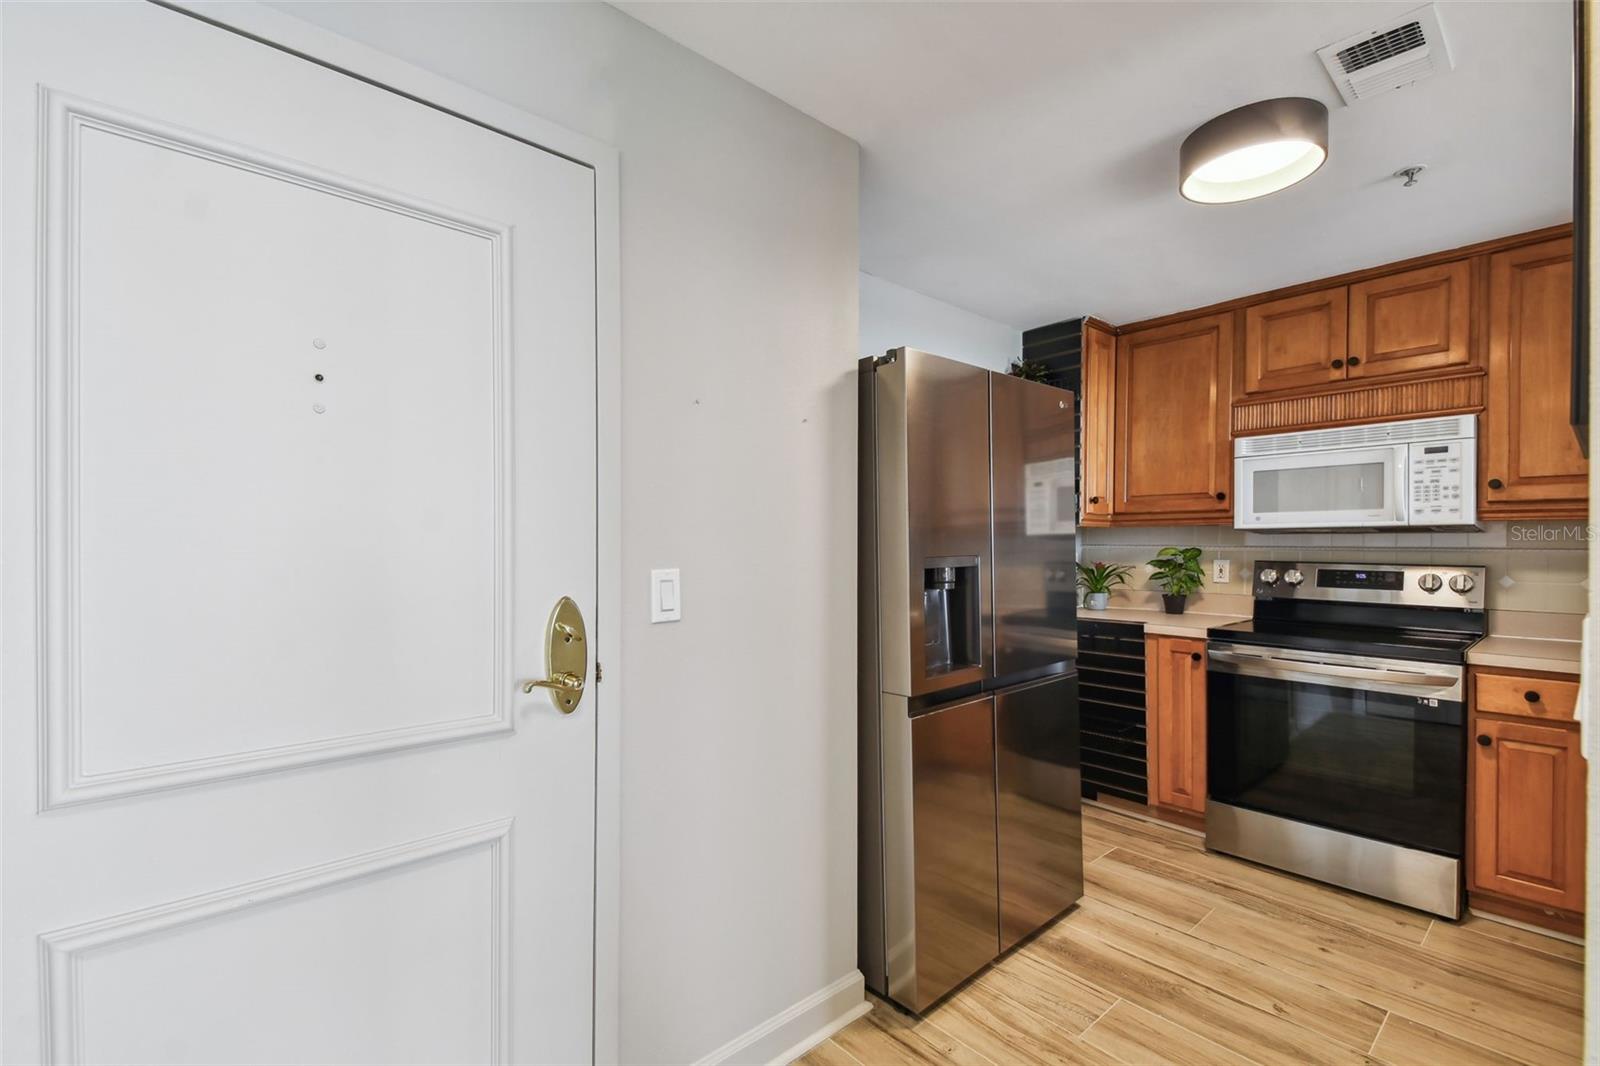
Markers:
<point>739,299</point>
<point>893,316</point>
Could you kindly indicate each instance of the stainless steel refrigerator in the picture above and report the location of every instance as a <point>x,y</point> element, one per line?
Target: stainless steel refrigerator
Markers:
<point>971,833</point>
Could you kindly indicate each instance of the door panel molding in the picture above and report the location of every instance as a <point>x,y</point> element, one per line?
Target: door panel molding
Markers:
<point>63,779</point>
<point>62,951</point>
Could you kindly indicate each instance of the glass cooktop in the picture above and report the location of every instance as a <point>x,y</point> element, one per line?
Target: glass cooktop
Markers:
<point>1421,645</point>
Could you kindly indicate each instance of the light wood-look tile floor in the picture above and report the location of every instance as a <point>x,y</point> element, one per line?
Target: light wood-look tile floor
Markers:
<point>1177,955</point>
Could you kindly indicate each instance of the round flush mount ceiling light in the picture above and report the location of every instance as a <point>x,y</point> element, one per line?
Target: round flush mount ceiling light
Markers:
<point>1253,150</point>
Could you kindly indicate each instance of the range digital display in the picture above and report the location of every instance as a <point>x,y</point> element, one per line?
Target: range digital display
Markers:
<point>1361,579</point>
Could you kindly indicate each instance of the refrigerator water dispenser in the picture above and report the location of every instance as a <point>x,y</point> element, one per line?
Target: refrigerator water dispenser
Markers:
<point>950,619</point>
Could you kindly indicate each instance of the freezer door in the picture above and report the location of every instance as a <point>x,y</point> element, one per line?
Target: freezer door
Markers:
<point>957,910</point>
<point>1040,817</point>
<point>1035,521</point>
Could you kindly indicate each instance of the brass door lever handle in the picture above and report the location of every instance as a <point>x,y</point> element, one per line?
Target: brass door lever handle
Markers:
<point>566,658</point>
<point>560,681</point>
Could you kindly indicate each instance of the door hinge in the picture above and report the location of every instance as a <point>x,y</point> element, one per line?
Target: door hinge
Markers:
<point>599,672</point>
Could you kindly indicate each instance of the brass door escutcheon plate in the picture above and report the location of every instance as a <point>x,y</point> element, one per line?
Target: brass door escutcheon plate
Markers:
<point>566,657</point>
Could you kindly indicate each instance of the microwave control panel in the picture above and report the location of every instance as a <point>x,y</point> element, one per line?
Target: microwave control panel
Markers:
<point>1441,484</point>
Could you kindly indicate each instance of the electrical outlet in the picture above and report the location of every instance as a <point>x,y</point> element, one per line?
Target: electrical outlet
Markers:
<point>1219,571</point>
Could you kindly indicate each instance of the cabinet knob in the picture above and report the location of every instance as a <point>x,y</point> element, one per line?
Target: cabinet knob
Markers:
<point>1496,483</point>
<point>1483,740</point>
<point>1531,696</point>
<point>1195,656</point>
<point>1355,360</point>
<point>1094,499</point>
<point>1222,495</point>
<point>1338,364</point>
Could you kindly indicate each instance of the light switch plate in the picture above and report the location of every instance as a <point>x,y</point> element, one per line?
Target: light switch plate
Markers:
<point>1219,572</point>
<point>666,596</point>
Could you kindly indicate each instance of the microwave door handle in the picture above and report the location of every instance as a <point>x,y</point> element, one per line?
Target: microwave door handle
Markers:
<point>1402,484</point>
<point>1270,666</point>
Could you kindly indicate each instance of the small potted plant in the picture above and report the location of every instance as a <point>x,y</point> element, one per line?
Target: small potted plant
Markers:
<point>1029,370</point>
<point>1098,580</point>
<point>1177,571</point>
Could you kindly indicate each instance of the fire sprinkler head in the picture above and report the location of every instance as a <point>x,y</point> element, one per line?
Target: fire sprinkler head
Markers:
<point>1410,174</point>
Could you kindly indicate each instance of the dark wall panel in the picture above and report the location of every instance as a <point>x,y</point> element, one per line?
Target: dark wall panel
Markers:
<point>1060,348</point>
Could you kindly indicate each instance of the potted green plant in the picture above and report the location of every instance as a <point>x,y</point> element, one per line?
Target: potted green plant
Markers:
<point>1177,571</point>
<point>1098,579</point>
<point>1029,370</point>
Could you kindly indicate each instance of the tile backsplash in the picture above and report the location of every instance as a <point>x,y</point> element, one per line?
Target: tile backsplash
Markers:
<point>1534,569</point>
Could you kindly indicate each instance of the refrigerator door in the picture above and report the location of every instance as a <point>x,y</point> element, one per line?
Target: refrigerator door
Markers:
<point>1040,816</point>
<point>1035,522</point>
<point>929,430</point>
<point>955,915</point>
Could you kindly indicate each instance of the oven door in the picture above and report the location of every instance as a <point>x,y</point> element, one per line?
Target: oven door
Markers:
<point>1372,747</point>
<point>1358,487</point>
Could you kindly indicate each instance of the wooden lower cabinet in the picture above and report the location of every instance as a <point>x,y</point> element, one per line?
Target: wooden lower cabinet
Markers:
<point>1526,819</point>
<point>1175,721</point>
<point>1531,465</point>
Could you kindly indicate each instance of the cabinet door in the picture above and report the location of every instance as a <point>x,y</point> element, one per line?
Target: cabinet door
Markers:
<point>1412,321</point>
<point>1174,388</point>
<point>1296,342</point>
<point>1099,373</point>
<point>1531,454</point>
<point>1175,682</point>
<point>1527,812</point>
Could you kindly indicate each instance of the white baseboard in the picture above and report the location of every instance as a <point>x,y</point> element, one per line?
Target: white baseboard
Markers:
<point>797,1029</point>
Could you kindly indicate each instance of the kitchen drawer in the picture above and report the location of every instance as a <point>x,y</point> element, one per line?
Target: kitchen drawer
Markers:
<point>1530,696</point>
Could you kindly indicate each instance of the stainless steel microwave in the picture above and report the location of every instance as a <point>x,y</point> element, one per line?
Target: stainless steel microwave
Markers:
<point>1418,474</point>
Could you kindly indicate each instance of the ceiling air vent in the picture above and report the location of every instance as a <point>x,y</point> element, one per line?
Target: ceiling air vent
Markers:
<point>1388,57</point>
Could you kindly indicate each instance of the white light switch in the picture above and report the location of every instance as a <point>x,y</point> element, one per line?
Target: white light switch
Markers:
<point>1219,571</point>
<point>666,596</point>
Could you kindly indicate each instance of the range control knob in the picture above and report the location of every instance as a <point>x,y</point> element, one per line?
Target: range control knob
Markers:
<point>1293,577</point>
<point>1269,576</point>
<point>1430,583</point>
<point>1462,583</point>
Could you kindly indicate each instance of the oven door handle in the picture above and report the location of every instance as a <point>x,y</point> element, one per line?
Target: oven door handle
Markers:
<point>1272,666</point>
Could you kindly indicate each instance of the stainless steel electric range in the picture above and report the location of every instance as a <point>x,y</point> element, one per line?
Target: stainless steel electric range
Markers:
<point>1336,727</point>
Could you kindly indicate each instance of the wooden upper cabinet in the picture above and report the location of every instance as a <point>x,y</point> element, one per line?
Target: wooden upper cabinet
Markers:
<point>1098,414</point>
<point>1413,321</point>
<point>1172,456</point>
<point>1532,465</point>
<point>1528,812</point>
<point>1175,721</point>
<point>1296,342</point>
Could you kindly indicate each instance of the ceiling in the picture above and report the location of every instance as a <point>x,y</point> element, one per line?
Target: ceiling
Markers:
<point>1020,160</point>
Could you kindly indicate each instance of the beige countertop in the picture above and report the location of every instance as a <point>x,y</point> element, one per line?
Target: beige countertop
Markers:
<point>1511,652</point>
<point>1525,653</point>
<point>1158,622</point>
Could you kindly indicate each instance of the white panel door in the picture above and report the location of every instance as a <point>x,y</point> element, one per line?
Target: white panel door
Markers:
<point>299,454</point>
